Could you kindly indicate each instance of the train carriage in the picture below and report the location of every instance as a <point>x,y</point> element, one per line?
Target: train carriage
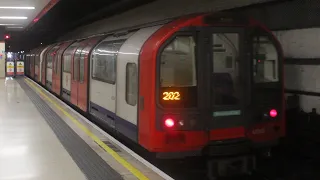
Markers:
<point>203,84</point>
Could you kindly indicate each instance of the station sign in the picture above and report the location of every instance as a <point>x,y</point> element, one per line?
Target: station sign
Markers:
<point>10,68</point>
<point>20,68</point>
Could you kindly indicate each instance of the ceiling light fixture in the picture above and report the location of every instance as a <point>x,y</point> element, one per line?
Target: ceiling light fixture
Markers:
<point>12,7</point>
<point>15,27</point>
<point>8,24</point>
<point>13,17</point>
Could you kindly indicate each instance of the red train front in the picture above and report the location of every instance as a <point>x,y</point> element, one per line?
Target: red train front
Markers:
<point>210,84</point>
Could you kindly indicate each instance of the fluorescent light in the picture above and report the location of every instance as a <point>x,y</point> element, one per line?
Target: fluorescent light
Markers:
<point>10,7</point>
<point>8,24</point>
<point>15,27</point>
<point>13,17</point>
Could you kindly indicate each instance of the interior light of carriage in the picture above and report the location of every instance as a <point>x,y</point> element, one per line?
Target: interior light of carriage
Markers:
<point>169,123</point>
<point>273,113</point>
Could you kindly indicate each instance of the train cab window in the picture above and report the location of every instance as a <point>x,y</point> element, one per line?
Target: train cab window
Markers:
<point>178,74</point>
<point>226,84</point>
<point>131,84</point>
<point>104,58</point>
<point>178,68</point>
<point>266,60</point>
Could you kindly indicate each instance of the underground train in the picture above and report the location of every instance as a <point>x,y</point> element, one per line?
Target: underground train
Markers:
<point>202,84</point>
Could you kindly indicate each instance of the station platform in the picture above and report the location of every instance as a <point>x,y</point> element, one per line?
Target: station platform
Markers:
<point>43,138</point>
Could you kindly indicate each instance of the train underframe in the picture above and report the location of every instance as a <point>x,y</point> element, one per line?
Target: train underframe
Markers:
<point>235,158</point>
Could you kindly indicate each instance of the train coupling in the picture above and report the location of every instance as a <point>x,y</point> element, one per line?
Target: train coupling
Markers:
<point>230,166</point>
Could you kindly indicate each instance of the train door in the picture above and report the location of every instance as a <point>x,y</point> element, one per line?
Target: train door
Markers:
<point>67,57</point>
<point>49,65</point>
<point>54,71</point>
<point>83,74</point>
<point>37,71</point>
<point>226,80</point>
<point>76,73</point>
<point>56,75</point>
<point>26,67</point>
<point>44,65</point>
<point>32,64</point>
<point>41,55</point>
<point>103,90</point>
<point>36,65</point>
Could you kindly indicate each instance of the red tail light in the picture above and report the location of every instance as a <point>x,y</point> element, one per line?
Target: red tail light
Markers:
<point>273,113</point>
<point>169,123</point>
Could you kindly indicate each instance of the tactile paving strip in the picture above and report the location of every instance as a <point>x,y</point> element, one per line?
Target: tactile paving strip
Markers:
<point>90,163</point>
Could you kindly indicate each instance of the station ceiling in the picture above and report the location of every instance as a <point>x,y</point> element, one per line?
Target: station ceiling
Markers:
<point>64,16</point>
<point>16,15</point>
<point>45,26</point>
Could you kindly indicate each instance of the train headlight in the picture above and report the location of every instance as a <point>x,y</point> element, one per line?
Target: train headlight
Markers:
<point>169,123</point>
<point>273,113</point>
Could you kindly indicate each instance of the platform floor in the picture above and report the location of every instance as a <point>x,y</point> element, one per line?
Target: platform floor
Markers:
<point>42,138</point>
<point>28,147</point>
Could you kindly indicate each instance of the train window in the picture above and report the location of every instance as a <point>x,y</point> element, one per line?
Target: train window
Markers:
<point>178,74</point>
<point>67,56</point>
<point>76,60</point>
<point>49,60</point>
<point>59,63</point>
<point>178,64</point>
<point>226,87</point>
<point>67,63</point>
<point>131,84</point>
<point>37,60</point>
<point>104,59</point>
<point>56,64</point>
<point>50,56</point>
<point>75,69</point>
<point>81,79</point>
<point>266,60</point>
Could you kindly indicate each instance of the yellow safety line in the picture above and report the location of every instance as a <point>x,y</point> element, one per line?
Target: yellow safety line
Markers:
<point>115,155</point>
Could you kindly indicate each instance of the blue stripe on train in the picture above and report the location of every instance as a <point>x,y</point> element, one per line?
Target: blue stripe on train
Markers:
<point>111,119</point>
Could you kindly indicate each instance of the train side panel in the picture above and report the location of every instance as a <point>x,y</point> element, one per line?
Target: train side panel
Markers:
<point>32,65</point>
<point>66,64</point>
<point>56,79</point>
<point>50,62</point>
<point>103,78</point>
<point>75,72</point>
<point>127,83</point>
<point>41,63</point>
<point>44,65</point>
<point>27,65</point>
<point>36,65</point>
<point>84,74</point>
<point>41,55</point>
